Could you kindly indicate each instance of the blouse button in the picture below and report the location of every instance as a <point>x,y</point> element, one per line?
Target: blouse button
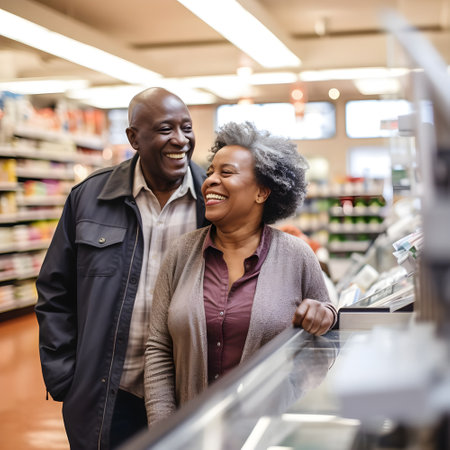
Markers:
<point>218,344</point>
<point>221,313</point>
<point>102,240</point>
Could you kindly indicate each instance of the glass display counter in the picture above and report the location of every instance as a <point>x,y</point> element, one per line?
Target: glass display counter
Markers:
<point>279,398</point>
<point>346,390</point>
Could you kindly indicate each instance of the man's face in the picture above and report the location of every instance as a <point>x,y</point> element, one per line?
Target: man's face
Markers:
<point>161,132</point>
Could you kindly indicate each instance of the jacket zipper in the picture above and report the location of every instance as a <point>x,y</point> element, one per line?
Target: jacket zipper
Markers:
<point>115,338</point>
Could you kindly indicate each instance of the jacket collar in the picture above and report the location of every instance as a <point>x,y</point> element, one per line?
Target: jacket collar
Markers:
<point>120,182</point>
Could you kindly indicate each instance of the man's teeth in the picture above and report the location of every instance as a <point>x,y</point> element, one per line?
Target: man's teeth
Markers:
<point>215,196</point>
<point>176,155</point>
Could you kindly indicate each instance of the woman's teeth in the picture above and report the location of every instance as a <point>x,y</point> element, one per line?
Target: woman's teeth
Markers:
<point>215,196</point>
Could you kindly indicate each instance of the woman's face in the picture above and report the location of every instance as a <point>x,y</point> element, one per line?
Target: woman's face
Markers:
<point>232,195</point>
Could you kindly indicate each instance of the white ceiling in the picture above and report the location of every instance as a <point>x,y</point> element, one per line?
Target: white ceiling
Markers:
<point>163,36</point>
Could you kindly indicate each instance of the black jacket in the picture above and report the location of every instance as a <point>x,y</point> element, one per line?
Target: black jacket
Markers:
<point>86,291</point>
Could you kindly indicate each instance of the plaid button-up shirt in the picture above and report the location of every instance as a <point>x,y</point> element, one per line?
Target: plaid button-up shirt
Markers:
<point>159,227</point>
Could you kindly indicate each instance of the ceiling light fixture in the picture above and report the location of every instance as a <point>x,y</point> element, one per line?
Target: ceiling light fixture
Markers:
<point>231,87</point>
<point>334,93</point>
<point>352,74</point>
<point>112,97</point>
<point>42,86</point>
<point>33,35</point>
<point>378,86</point>
<point>244,30</point>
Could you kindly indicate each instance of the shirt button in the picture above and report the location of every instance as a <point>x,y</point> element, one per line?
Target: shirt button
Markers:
<point>221,313</point>
<point>101,240</point>
<point>218,344</point>
<point>216,376</point>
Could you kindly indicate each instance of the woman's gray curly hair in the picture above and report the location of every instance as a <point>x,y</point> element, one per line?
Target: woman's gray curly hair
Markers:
<point>278,166</point>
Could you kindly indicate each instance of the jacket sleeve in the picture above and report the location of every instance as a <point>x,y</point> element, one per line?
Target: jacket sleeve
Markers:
<point>56,309</point>
<point>159,370</point>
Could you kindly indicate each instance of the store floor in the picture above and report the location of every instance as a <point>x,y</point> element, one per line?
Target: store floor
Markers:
<point>27,420</point>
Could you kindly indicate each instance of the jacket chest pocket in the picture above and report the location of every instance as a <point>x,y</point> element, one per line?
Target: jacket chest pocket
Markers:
<point>99,248</point>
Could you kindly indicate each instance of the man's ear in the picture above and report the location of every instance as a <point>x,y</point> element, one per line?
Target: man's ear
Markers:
<point>131,135</point>
<point>263,194</point>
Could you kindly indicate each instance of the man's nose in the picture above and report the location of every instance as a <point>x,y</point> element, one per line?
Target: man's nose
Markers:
<point>179,137</point>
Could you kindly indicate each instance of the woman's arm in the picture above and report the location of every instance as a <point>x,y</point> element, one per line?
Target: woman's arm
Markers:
<point>159,370</point>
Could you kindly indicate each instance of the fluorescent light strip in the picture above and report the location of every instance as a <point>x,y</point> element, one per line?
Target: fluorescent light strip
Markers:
<point>233,86</point>
<point>351,74</point>
<point>42,86</point>
<point>29,33</point>
<point>377,86</point>
<point>243,30</point>
<point>110,97</point>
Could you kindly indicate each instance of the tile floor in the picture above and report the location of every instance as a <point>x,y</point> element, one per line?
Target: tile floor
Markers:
<point>27,420</point>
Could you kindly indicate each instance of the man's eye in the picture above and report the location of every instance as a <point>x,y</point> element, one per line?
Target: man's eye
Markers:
<point>187,128</point>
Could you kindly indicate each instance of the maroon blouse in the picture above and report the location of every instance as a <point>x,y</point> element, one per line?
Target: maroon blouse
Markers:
<point>228,312</point>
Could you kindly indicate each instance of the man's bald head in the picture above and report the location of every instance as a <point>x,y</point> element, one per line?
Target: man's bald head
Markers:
<point>146,98</point>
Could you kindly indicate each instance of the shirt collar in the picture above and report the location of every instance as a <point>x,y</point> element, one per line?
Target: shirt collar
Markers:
<point>139,183</point>
<point>263,243</point>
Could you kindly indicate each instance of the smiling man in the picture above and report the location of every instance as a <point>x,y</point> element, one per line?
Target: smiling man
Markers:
<point>96,283</point>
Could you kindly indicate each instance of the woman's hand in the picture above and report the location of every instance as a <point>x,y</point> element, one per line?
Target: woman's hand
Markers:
<point>313,316</point>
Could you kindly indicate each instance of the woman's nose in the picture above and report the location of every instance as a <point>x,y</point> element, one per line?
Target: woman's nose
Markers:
<point>212,179</point>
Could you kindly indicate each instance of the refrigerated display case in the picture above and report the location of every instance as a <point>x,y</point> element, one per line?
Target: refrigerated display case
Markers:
<point>300,392</point>
<point>261,402</point>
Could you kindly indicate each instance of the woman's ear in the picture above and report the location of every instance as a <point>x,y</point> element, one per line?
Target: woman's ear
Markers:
<point>263,194</point>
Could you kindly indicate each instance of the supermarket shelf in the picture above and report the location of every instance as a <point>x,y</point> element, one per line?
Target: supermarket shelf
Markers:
<point>14,275</point>
<point>25,152</point>
<point>82,140</point>
<point>341,194</point>
<point>17,304</point>
<point>24,246</point>
<point>8,186</point>
<point>349,246</point>
<point>356,228</point>
<point>357,211</point>
<point>50,173</point>
<point>10,151</point>
<point>51,200</point>
<point>29,216</point>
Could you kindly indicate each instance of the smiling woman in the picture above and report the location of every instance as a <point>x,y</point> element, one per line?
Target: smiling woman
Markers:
<point>225,290</point>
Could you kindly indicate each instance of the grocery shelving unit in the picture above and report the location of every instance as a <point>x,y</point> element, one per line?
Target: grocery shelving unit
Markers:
<point>345,218</point>
<point>38,169</point>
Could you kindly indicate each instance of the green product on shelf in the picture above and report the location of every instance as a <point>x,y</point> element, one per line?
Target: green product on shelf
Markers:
<point>377,202</point>
<point>360,202</point>
<point>348,219</point>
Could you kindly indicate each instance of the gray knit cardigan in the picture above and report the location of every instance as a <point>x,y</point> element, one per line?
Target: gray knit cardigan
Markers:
<point>176,350</point>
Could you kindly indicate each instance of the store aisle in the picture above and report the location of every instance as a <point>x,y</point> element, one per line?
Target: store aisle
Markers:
<point>27,420</point>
